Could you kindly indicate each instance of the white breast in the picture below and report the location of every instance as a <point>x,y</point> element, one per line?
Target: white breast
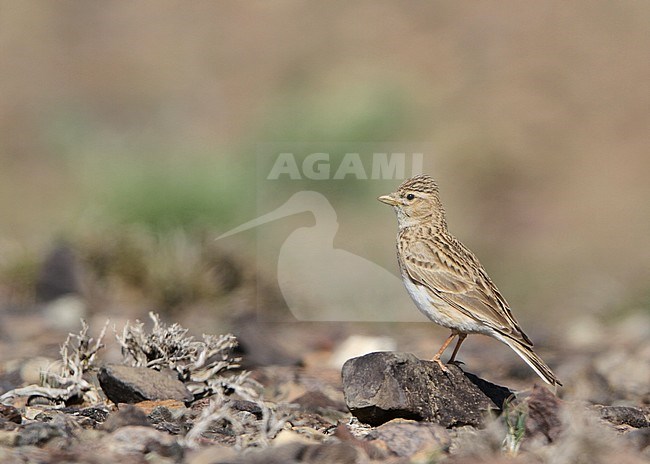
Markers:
<point>439,311</point>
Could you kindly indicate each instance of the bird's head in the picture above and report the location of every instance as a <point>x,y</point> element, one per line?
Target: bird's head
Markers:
<point>417,202</point>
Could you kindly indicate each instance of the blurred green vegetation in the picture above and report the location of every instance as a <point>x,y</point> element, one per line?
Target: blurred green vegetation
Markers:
<point>174,193</point>
<point>137,180</point>
<point>375,111</point>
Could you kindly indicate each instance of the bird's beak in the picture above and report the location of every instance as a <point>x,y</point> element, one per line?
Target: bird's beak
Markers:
<point>389,200</point>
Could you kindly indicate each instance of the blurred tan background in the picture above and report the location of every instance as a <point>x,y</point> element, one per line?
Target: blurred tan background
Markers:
<point>132,126</point>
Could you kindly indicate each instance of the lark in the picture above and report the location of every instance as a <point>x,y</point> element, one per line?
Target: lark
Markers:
<point>445,279</point>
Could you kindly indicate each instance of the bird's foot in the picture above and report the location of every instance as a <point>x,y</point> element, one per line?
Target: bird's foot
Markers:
<point>444,368</point>
<point>455,362</point>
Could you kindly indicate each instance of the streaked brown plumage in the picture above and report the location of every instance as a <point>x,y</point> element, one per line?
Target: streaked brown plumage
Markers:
<point>446,281</point>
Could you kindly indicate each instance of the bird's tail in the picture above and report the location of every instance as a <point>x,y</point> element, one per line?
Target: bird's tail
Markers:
<point>535,362</point>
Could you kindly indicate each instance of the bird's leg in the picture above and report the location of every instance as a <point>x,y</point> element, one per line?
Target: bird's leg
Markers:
<point>436,357</point>
<point>461,339</point>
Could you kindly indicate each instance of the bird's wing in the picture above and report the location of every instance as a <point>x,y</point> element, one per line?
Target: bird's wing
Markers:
<point>451,272</point>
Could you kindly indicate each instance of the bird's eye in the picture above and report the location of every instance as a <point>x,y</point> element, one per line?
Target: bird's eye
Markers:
<point>410,196</point>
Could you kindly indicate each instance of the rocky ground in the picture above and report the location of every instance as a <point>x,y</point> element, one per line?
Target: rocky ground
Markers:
<point>152,392</point>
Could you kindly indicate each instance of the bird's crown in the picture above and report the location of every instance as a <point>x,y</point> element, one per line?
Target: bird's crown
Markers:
<point>421,183</point>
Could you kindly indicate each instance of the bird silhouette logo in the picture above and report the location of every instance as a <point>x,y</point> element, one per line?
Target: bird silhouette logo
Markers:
<point>322,283</point>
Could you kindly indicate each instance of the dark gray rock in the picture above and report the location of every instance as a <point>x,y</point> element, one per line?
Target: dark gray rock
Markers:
<point>165,420</point>
<point>10,414</point>
<point>160,414</point>
<point>247,406</point>
<point>405,438</point>
<point>125,384</point>
<point>92,415</point>
<point>127,416</point>
<point>59,274</point>
<point>382,386</point>
<point>98,415</point>
<point>39,433</point>
<point>624,415</point>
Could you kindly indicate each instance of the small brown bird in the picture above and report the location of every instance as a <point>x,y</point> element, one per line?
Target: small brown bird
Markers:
<point>446,281</point>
